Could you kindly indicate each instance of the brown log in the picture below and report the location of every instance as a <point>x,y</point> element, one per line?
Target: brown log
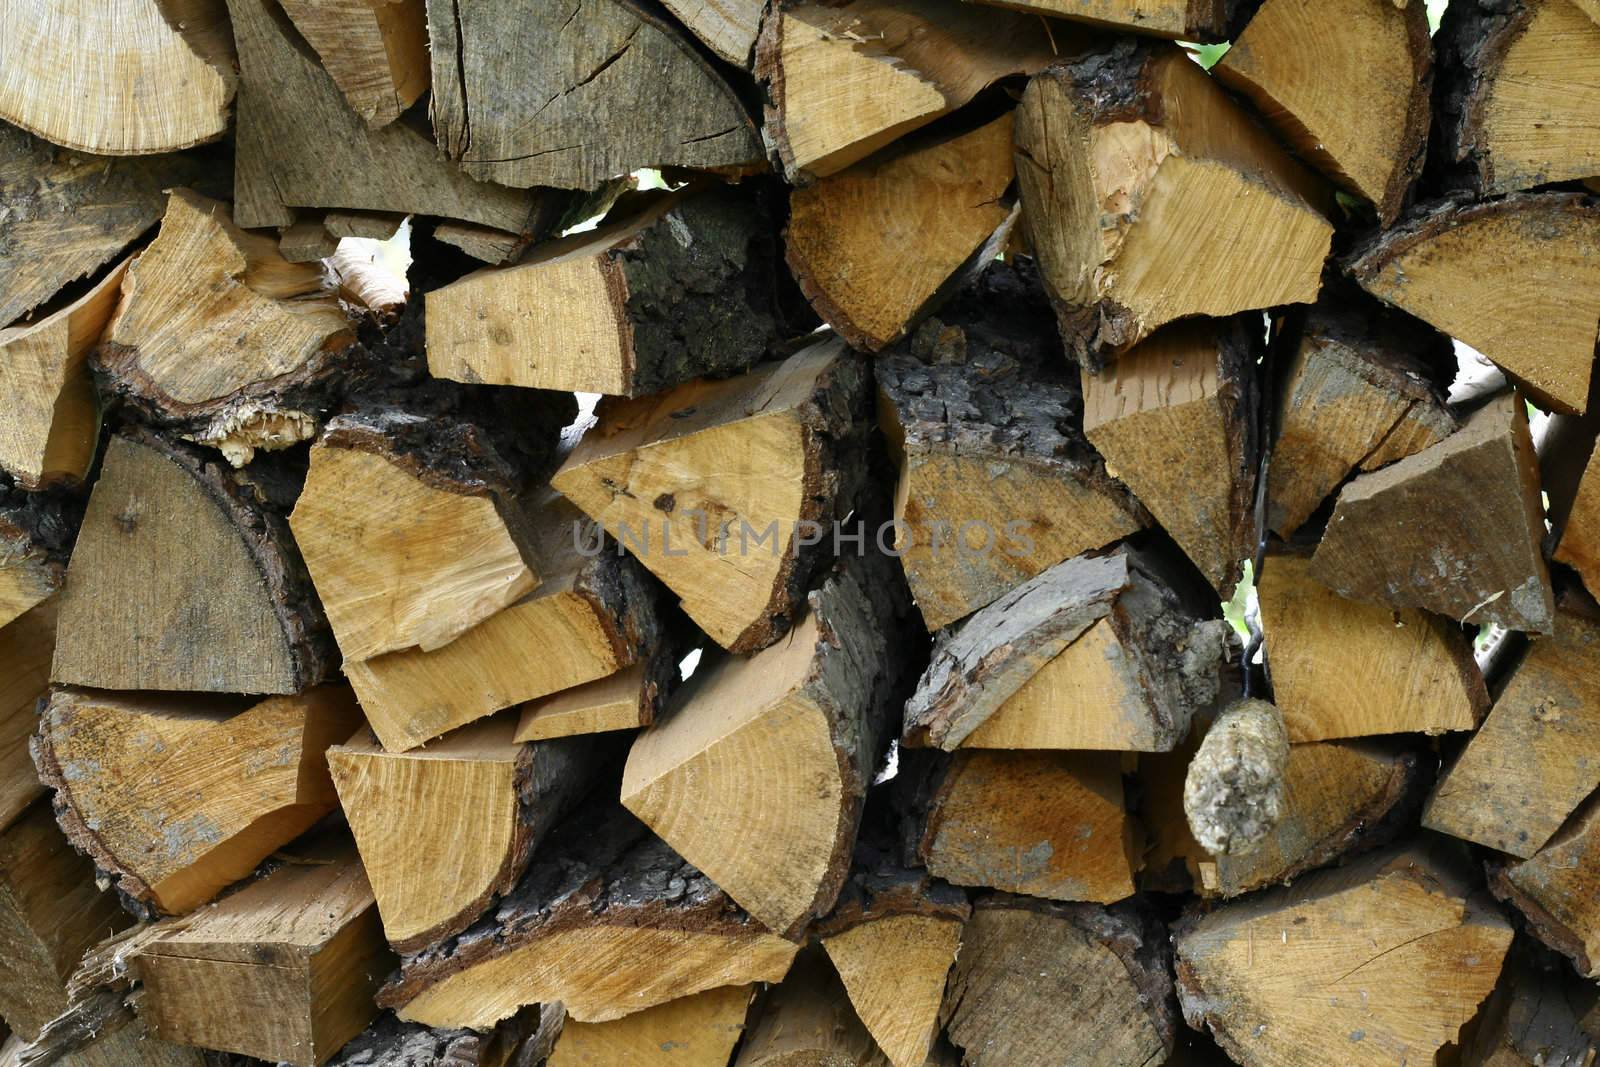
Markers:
<point>1578,535</point>
<point>1533,1016</point>
<point>376,51</point>
<point>1557,889</point>
<point>808,1020</point>
<point>26,646</point>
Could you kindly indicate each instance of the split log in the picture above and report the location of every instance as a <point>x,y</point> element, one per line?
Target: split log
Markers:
<point>117,79</point>
<point>699,1030</point>
<point>997,482</point>
<point>1015,676</point>
<point>306,241</point>
<point>1346,84</point>
<point>1558,890</point>
<point>475,802</point>
<point>1030,973</point>
<point>1517,95</point>
<point>221,337</point>
<point>519,97</point>
<point>229,610</point>
<point>1533,1017</point>
<point>1294,976</point>
<point>892,938</point>
<point>1235,794</point>
<point>179,797</point>
<point>1213,218</point>
<point>608,920</point>
<point>1445,264</point>
<point>1189,20</point>
<point>689,285</point>
<point>658,466</point>
<point>626,700</point>
<point>1578,544</point>
<point>1364,387</point>
<point>497,248</point>
<point>412,532</point>
<point>120,1042</point>
<point>1538,754</point>
<point>301,145</point>
<point>1177,420</point>
<point>50,912</point>
<point>373,225</point>
<point>283,970</point>
<point>758,773</point>
<point>1454,529</point>
<point>808,1020</point>
<point>591,616</point>
<point>727,27</point>
<point>876,245</point>
<point>388,1042</point>
<point>26,645</point>
<point>376,51</point>
<point>1416,669</point>
<point>902,64</point>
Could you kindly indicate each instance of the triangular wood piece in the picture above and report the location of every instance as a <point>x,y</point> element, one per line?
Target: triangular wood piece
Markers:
<point>699,1030</point>
<point>543,94</point>
<point>1558,890</point>
<point>1455,529</point>
<point>728,27</point>
<point>32,555</point>
<point>1189,20</point>
<point>1446,265</point>
<point>626,700</point>
<point>808,1019</point>
<point>228,610</point>
<point>376,51</point>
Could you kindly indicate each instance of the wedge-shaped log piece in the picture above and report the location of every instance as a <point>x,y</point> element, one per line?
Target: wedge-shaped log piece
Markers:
<point>26,645</point>
<point>1177,421</point>
<point>35,537</point>
<point>758,773</point>
<point>1346,84</point>
<point>1579,544</point>
<point>1364,387</point>
<point>699,1030</point>
<point>540,94</point>
<point>184,578</point>
<point>1538,754</point>
<point>1190,20</point>
<point>721,487</point>
<point>875,245</point>
<point>411,540</point>
<point>625,700</point>
<point>1449,264</point>
<point>901,64</point>
<point>1454,529</point>
<point>1417,672</point>
<point>116,78</point>
<point>1207,215</point>
<point>984,418</point>
<point>178,797</point>
<point>1292,976</point>
<point>808,1019</point>
<point>217,331</point>
<point>1558,890</point>
<point>283,970</point>
<point>1519,92</point>
<point>376,51</point>
<point>1535,1014</point>
<point>1023,972</point>
<point>608,920</point>
<point>727,27</point>
<point>1098,652</point>
<point>306,242</point>
<point>475,802</point>
<point>300,144</point>
<point>591,616</point>
<point>685,287</point>
<point>51,911</point>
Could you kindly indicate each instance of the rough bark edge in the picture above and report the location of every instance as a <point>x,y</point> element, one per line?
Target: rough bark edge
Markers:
<point>1473,39</point>
<point>1429,221</point>
<point>388,1042</point>
<point>1544,925</point>
<point>880,887</point>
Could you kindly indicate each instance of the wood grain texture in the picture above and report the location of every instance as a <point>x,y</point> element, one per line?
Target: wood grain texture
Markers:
<point>1191,20</point>
<point>1534,1015</point>
<point>699,1030</point>
<point>808,1019</point>
<point>727,27</point>
<point>1556,890</point>
<point>894,970</point>
<point>1579,543</point>
<point>376,51</point>
<point>621,701</point>
<point>543,94</point>
<point>26,645</point>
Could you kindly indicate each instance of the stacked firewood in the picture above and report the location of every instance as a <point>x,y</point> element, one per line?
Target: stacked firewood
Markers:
<point>743,533</point>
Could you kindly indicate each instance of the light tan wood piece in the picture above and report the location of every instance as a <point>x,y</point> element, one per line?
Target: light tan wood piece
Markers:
<point>621,701</point>
<point>699,1030</point>
<point>26,645</point>
<point>707,485</point>
<point>1416,669</point>
<point>1176,420</point>
<point>728,27</point>
<point>1518,279</point>
<point>1190,20</point>
<point>1234,793</point>
<point>373,225</point>
<point>284,970</point>
<point>29,574</point>
<point>1150,195</point>
<point>117,78</point>
<point>1293,975</point>
<point>898,64</point>
<point>375,50</point>
<point>474,801</point>
<point>1558,890</point>
<point>228,610</point>
<point>1579,546</point>
<point>874,245</point>
<point>306,242</point>
<point>1455,529</point>
<point>51,911</point>
<point>894,969</point>
<point>52,419</point>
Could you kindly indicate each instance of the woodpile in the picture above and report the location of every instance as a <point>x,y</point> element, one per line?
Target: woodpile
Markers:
<point>799,533</point>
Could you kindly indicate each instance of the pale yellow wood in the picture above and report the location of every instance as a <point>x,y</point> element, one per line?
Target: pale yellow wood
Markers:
<point>1579,546</point>
<point>52,420</point>
<point>894,969</point>
<point>399,560</point>
<point>1161,18</point>
<point>616,702</point>
<point>27,577</point>
<point>699,1030</point>
<point>1415,675</point>
<point>115,77</point>
<point>376,51</point>
<point>728,27</point>
<point>26,644</point>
